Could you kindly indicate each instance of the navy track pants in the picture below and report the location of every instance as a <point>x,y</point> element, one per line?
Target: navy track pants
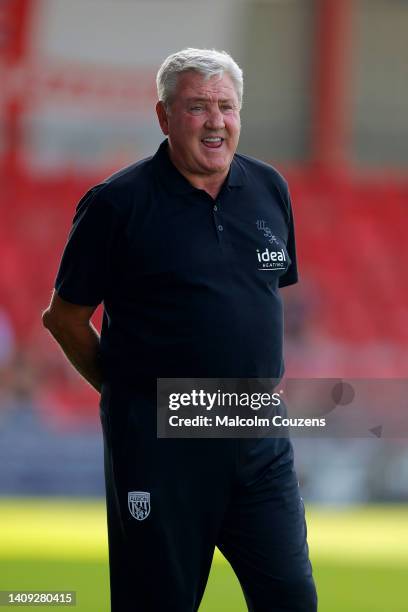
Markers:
<point>171,501</point>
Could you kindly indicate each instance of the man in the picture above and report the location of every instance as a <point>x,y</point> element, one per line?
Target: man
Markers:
<point>171,246</point>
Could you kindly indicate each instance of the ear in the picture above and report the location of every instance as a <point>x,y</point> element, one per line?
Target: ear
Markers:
<point>162,117</point>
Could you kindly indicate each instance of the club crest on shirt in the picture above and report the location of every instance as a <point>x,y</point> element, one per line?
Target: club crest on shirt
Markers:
<point>139,504</point>
<point>267,232</point>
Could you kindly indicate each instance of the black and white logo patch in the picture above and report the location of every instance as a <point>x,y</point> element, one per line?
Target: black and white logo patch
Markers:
<point>273,256</point>
<point>139,504</point>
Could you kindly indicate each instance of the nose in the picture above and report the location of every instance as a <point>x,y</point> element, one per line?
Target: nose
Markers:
<point>215,118</point>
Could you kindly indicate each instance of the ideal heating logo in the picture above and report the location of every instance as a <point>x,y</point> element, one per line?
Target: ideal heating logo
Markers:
<point>271,260</point>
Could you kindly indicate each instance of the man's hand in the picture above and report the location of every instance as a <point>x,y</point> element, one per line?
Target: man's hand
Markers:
<point>71,327</point>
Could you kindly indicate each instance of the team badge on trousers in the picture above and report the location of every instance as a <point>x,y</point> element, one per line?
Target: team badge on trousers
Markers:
<point>139,504</point>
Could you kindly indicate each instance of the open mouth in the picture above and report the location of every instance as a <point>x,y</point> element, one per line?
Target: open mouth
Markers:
<point>213,142</point>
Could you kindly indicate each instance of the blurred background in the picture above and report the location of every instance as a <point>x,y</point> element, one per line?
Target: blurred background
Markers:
<point>326,102</point>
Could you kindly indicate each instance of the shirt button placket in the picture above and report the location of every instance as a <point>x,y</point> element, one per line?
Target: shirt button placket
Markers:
<point>218,225</point>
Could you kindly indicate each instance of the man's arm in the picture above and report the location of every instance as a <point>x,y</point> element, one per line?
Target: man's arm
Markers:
<point>71,327</point>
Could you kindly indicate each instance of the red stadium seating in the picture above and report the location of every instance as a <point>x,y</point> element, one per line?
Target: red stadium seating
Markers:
<point>351,243</point>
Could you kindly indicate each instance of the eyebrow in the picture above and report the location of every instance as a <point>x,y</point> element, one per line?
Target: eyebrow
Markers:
<point>189,100</point>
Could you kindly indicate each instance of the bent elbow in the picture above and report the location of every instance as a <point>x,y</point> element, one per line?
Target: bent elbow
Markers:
<point>49,322</point>
<point>45,317</point>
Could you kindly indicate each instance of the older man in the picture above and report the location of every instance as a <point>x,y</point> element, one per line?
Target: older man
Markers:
<point>172,245</point>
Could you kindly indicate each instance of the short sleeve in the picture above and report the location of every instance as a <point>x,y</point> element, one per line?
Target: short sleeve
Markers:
<point>291,275</point>
<point>83,274</point>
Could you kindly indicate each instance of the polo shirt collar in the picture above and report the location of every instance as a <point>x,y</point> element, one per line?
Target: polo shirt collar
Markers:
<point>177,183</point>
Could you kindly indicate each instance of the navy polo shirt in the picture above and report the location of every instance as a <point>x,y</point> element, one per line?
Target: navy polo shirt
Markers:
<point>190,285</point>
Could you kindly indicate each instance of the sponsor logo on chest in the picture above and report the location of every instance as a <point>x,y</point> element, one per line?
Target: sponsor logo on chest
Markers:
<point>271,259</point>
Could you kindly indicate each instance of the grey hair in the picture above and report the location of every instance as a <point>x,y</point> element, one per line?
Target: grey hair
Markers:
<point>207,62</point>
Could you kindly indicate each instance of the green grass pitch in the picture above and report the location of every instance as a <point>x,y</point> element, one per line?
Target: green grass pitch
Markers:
<point>359,555</point>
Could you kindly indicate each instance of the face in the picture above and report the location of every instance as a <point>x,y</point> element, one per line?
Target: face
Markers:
<point>202,124</point>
